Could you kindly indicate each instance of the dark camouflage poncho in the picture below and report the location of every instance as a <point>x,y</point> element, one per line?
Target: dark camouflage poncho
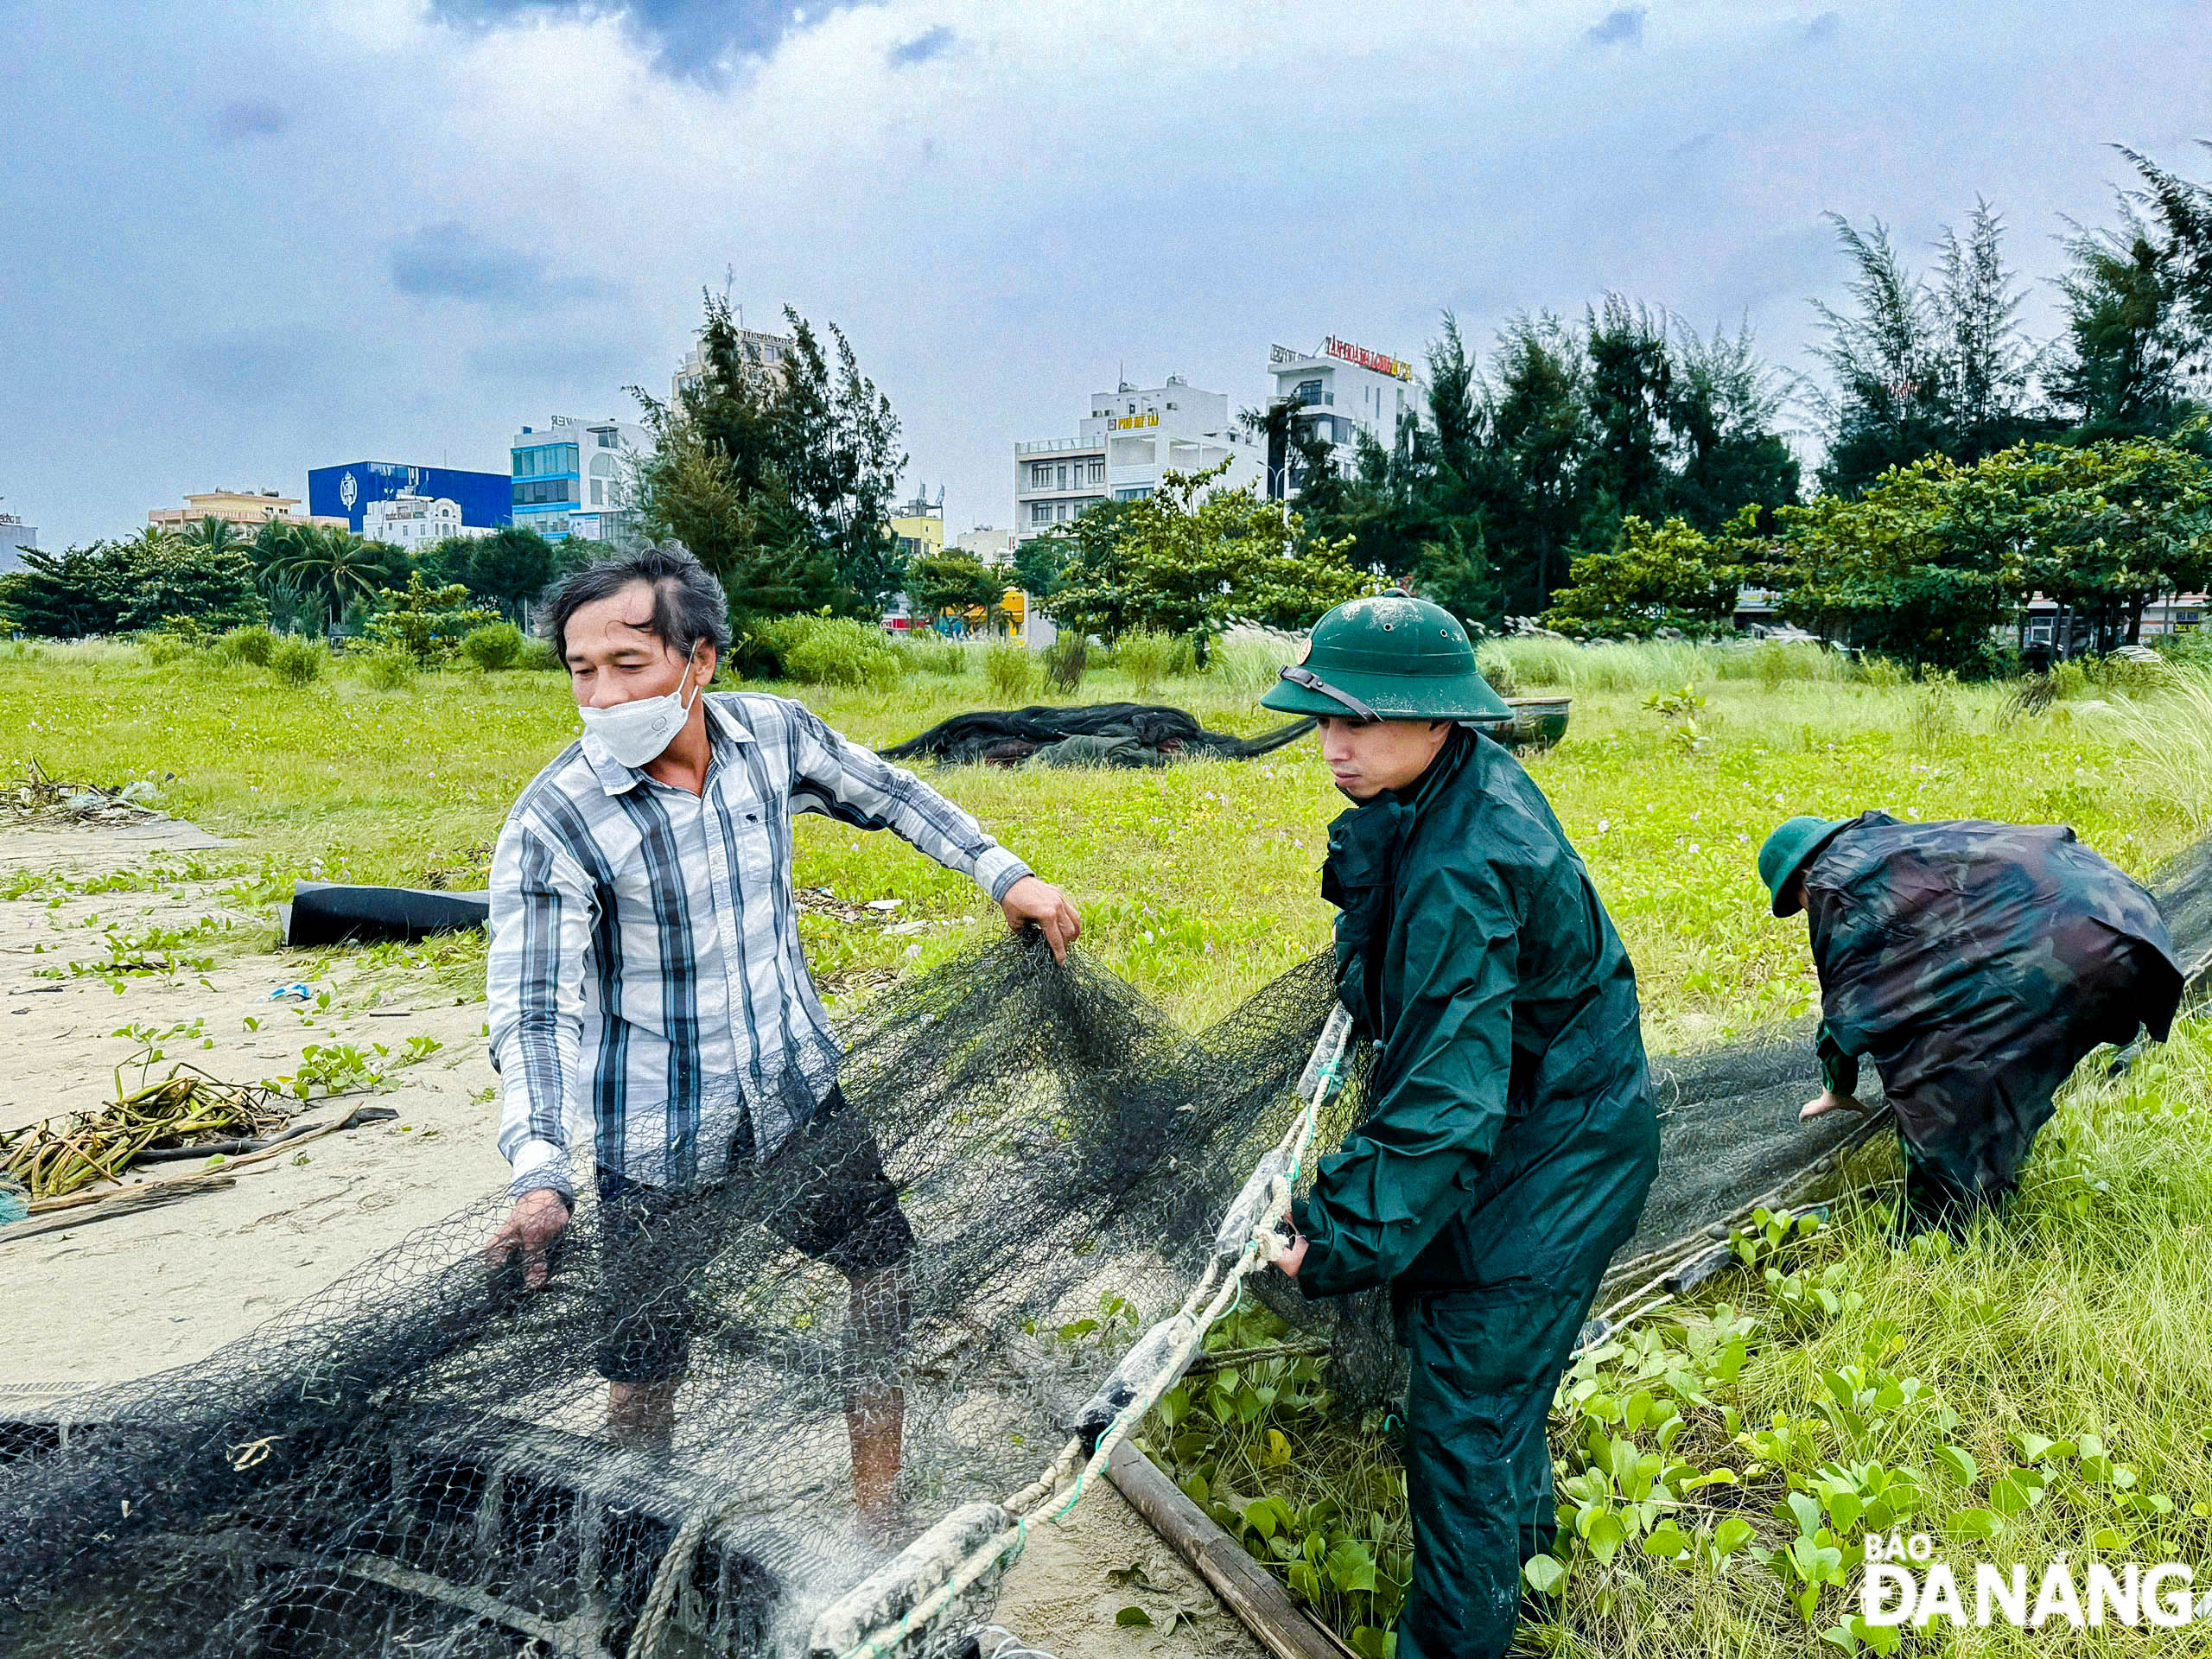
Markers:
<point>1975,963</point>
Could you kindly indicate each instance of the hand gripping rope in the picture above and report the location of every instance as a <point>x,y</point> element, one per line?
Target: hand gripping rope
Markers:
<point>971,1547</point>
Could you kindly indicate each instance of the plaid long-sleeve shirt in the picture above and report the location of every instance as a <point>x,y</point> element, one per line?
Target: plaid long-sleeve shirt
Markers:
<point>645,977</point>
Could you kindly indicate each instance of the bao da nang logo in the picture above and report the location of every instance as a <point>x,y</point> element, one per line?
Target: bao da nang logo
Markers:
<point>1906,1583</point>
<point>349,490</point>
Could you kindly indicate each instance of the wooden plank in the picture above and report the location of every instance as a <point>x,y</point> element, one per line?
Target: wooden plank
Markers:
<point>1248,1589</point>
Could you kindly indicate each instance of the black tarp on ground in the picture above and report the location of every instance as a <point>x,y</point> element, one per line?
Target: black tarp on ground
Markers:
<point>1009,737</point>
<point>326,912</point>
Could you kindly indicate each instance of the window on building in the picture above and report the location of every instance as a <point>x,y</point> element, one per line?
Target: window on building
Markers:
<point>1062,511</point>
<point>1064,475</point>
<point>1133,492</point>
<point>1041,512</point>
<point>1098,472</point>
<point>607,440</point>
<point>1041,474</point>
<point>1309,392</point>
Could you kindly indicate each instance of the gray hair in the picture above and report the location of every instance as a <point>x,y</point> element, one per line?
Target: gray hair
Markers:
<point>688,605</point>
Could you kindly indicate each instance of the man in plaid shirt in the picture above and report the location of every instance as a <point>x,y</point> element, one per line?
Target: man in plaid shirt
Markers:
<point>645,977</point>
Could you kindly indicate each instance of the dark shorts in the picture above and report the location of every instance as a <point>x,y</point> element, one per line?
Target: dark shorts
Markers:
<point>824,1194</point>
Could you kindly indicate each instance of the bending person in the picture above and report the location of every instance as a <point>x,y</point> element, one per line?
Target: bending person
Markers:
<point>1511,1138</point>
<point>645,971</point>
<point>1975,964</point>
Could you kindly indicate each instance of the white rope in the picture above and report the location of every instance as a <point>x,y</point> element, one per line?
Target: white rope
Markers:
<point>1215,1293</point>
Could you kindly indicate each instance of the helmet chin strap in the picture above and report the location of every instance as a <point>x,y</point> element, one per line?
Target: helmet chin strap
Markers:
<point>1298,675</point>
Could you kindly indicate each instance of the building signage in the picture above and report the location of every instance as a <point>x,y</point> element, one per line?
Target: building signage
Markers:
<point>349,490</point>
<point>1131,423</point>
<point>1381,362</point>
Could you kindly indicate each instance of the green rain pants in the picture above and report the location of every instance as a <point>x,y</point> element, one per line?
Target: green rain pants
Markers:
<point>1478,1470</point>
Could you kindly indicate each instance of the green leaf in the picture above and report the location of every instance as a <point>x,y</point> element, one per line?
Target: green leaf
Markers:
<point>1370,1643</point>
<point>1278,1447</point>
<point>1732,1534</point>
<point>1970,1523</point>
<point>1545,1574</point>
<point>1961,1463</point>
<point>1133,1617</point>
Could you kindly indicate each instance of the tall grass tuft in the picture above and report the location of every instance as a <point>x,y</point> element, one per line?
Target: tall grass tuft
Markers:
<point>386,669</point>
<point>835,651</point>
<point>299,659</point>
<point>929,652</point>
<point>2172,730</point>
<point>251,646</point>
<point>1010,671</point>
<point>1250,660</point>
<point>1148,658</point>
<point>1066,660</point>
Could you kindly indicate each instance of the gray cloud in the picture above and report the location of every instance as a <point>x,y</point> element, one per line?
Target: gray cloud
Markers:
<point>451,262</point>
<point>1622,27</point>
<point>249,118</point>
<point>931,43</point>
<point>286,364</point>
<point>694,40</point>
<point>1825,27</point>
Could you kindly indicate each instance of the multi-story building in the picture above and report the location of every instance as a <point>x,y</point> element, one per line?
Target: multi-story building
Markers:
<point>345,493</point>
<point>247,508</point>
<point>767,354</point>
<point>416,521</point>
<point>1339,393</point>
<point>1132,438</point>
<point>16,538</point>
<point>573,478</point>
<point>919,526</point>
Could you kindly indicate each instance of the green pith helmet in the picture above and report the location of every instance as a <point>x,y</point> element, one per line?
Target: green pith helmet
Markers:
<point>1789,849</point>
<point>1389,657</point>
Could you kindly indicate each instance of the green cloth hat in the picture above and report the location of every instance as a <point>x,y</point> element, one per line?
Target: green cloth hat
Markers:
<point>1790,848</point>
<point>1389,657</point>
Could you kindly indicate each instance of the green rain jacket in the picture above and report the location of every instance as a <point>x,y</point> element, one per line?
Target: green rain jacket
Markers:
<point>1511,1138</point>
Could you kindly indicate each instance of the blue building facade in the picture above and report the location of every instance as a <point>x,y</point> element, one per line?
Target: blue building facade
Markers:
<point>342,492</point>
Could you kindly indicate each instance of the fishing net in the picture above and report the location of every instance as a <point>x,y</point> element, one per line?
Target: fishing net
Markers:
<point>419,1460</point>
<point>1099,734</point>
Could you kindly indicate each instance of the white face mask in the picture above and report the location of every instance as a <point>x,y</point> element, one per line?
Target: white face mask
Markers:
<point>636,732</point>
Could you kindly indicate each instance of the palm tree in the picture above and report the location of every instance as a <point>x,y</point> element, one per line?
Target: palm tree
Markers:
<point>333,565</point>
<point>154,538</point>
<point>212,535</point>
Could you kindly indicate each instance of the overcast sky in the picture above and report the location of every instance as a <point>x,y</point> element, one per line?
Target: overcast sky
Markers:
<point>239,240</point>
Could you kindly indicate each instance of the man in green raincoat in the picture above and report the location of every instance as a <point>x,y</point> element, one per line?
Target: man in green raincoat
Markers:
<point>1975,964</point>
<point>1509,1139</point>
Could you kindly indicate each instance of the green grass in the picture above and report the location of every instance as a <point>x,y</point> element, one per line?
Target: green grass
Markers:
<point>2081,1311</point>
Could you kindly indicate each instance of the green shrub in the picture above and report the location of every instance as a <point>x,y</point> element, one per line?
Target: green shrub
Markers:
<point>298,659</point>
<point>1065,661</point>
<point>1883,673</point>
<point>254,645</point>
<point>1148,658</point>
<point>494,646</point>
<point>536,656</point>
<point>1010,671</point>
<point>387,668</point>
<point>833,651</point>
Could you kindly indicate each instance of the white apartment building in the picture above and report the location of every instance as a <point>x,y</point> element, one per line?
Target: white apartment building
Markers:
<point>415,521</point>
<point>1343,390</point>
<point>1133,437</point>
<point>16,538</point>
<point>987,546</point>
<point>768,354</point>
<point>573,478</point>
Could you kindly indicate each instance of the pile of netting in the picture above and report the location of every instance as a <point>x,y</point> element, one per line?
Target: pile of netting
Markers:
<point>419,1460</point>
<point>1090,735</point>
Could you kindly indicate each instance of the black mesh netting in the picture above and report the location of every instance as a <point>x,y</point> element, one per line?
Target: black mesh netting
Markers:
<point>417,1461</point>
<point>1096,734</point>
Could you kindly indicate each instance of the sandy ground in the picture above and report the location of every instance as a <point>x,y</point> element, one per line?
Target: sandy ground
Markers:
<point>122,1298</point>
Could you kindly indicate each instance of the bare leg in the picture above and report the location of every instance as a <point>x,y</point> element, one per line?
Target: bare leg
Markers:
<point>875,1405</point>
<point>643,1414</point>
